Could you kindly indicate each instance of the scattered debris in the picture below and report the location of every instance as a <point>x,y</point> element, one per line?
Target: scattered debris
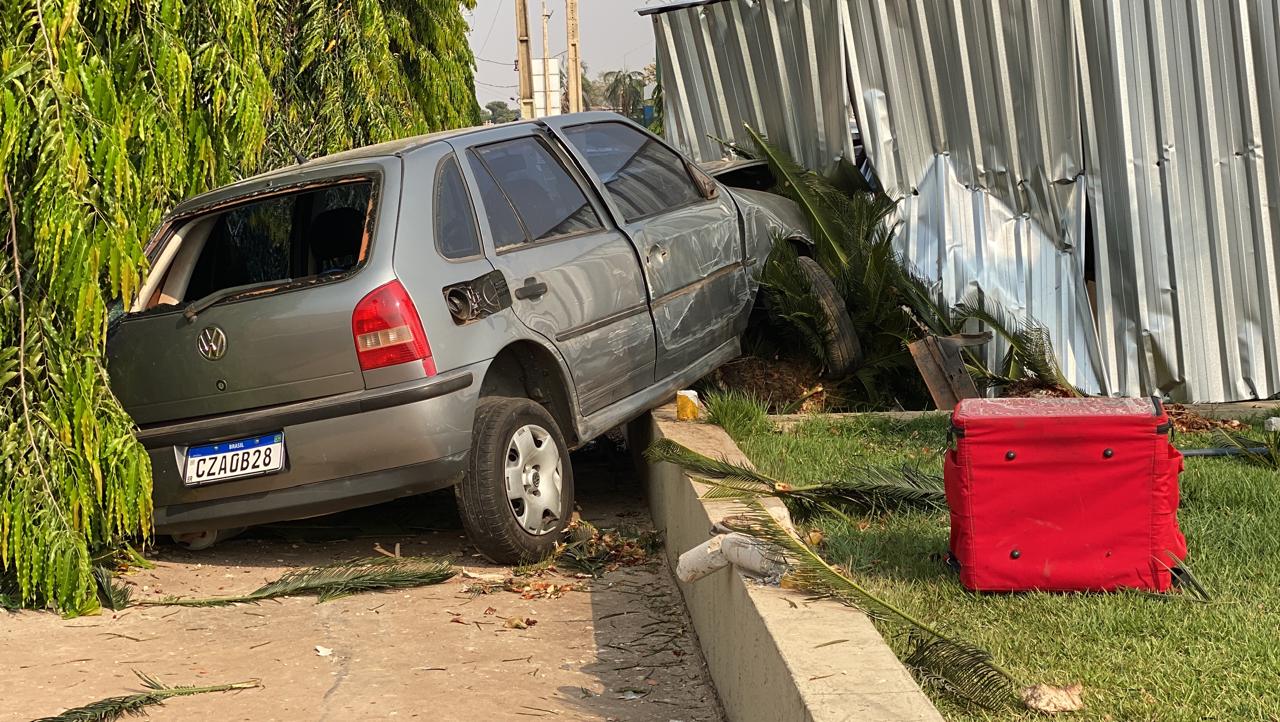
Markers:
<point>1187,421</point>
<point>333,581</point>
<point>789,387</point>
<point>595,552</point>
<point>114,708</point>
<point>323,651</point>
<point>1053,700</point>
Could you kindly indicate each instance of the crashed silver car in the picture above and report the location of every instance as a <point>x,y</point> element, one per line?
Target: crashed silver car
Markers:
<point>459,309</point>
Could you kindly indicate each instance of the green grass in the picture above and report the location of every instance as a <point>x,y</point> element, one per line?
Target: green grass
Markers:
<point>1140,657</point>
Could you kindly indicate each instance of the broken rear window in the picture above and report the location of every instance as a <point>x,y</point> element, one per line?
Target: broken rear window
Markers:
<point>278,239</point>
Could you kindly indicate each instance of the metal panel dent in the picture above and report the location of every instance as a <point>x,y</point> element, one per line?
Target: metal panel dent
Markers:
<point>1044,152</point>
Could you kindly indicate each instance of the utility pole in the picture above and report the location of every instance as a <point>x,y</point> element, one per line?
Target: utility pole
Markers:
<point>546,62</point>
<point>575,63</point>
<point>523,62</point>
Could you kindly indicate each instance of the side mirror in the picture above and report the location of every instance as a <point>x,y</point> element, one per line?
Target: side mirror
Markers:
<point>707,185</point>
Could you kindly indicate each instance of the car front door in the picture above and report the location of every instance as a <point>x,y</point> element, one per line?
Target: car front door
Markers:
<point>689,243</point>
<point>574,278</point>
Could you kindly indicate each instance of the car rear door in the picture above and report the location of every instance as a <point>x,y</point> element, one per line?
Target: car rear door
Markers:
<point>690,245</point>
<point>574,279</point>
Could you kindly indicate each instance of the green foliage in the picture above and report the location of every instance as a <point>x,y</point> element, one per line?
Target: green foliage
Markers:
<point>1030,352</point>
<point>623,90</point>
<point>499,112</point>
<point>113,708</point>
<point>334,581</point>
<point>110,112</point>
<point>737,412</point>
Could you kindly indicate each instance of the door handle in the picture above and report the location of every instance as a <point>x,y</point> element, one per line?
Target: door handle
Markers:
<point>532,288</point>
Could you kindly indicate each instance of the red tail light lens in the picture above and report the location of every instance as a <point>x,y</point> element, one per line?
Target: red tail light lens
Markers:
<point>388,331</point>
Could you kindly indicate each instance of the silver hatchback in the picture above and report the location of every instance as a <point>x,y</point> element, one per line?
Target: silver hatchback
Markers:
<point>459,309</point>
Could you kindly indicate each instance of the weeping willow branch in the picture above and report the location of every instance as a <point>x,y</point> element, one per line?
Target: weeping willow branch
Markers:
<point>333,581</point>
<point>113,708</point>
<point>110,113</point>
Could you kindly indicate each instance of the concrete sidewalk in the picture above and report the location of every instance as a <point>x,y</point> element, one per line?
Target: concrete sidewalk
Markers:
<point>623,650</point>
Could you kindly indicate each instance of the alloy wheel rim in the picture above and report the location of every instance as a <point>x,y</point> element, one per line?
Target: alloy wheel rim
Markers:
<point>534,479</point>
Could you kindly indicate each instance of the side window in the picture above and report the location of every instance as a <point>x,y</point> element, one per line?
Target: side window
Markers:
<point>503,224</point>
<point>455,223</point>
<point>642,176</point>
<point>547,199</point>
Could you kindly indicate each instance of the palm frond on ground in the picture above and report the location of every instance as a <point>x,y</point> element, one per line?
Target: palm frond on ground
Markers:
<point>864,488</point>
<point>953,665</point>
<point>113,708</point>
<point>332,581</point>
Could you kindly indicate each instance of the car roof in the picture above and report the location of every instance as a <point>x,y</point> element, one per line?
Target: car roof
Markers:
<point>313,166</point>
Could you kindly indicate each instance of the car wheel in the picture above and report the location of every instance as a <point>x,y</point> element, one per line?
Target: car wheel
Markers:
<point>843,351</point>
<point>517,495</point>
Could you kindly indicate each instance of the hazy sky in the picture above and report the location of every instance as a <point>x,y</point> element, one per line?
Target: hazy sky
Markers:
<point>611,36</point>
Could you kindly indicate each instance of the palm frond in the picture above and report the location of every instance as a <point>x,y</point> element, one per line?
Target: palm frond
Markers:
<point>1031,350</point>
<point>113,708</point>
<point>704,467</point>
<point>333,581</point>
<point>1259,452</point>
<point>113,596</point>
<point>864,488</point>
<point>824,205</point>
<point>968,670</point>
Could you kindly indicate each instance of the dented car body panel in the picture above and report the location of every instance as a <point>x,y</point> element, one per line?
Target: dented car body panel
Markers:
<point>580,263</point>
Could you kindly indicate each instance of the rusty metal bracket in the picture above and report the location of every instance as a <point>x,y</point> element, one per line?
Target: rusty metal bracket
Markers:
<point>941,365</point>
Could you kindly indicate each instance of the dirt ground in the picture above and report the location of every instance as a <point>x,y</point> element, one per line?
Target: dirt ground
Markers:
<point>622,649</point>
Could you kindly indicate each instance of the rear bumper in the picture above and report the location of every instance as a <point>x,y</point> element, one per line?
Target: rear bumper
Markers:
<point>341,453</point>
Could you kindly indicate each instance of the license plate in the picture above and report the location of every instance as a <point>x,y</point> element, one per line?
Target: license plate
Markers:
<point>235,459</point>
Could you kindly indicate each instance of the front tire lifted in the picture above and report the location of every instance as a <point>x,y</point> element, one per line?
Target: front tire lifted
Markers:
<point>517,495</point>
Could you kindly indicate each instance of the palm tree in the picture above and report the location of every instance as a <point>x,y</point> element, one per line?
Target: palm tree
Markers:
<point>624,91</point>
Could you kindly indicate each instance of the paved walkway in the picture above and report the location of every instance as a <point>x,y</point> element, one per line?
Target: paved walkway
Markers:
<point>621,650</point>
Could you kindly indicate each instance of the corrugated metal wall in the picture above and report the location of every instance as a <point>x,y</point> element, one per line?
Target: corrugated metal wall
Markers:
<point>1010,127</point>
<point>736,63</point>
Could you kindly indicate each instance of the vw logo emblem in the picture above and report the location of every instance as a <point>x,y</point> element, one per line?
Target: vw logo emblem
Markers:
<point>212,343</point>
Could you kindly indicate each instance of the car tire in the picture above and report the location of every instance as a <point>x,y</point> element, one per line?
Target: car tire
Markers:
<point>509,442</point>
<point>844,353</point>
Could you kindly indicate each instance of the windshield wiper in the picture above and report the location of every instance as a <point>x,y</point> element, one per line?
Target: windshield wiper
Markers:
<point>195,307</point>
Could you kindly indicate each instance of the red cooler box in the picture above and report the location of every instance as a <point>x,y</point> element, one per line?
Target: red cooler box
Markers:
<point>1063,495</point>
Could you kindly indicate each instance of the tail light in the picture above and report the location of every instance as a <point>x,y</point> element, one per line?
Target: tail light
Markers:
<point>388,331</point>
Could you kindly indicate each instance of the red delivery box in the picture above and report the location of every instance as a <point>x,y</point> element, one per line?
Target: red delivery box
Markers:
<point>1063,494</point>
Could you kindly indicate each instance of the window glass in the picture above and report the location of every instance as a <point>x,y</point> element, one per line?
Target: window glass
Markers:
<point>455,223</point>
<point>642,176</point>
<point>503,224</point>
<point>548,200</point>
<point>283,238</point>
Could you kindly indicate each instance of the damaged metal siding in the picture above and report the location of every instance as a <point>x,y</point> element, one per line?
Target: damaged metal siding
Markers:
<point>1009,128</point>
<point>773,64</point>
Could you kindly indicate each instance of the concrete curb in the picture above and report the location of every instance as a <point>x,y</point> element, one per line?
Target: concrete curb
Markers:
<point>773,654</point>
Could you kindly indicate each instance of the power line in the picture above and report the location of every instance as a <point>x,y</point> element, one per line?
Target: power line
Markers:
<point>492,23</point>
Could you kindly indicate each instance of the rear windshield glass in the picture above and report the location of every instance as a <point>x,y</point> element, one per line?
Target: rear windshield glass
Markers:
<point>279,239</point>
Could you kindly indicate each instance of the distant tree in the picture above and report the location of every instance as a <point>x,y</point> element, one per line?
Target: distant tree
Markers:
<point>624,92</point>
<point>499,112</point>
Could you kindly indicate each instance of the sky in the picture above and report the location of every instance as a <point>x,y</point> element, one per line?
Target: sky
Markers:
<point>611,36</point>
